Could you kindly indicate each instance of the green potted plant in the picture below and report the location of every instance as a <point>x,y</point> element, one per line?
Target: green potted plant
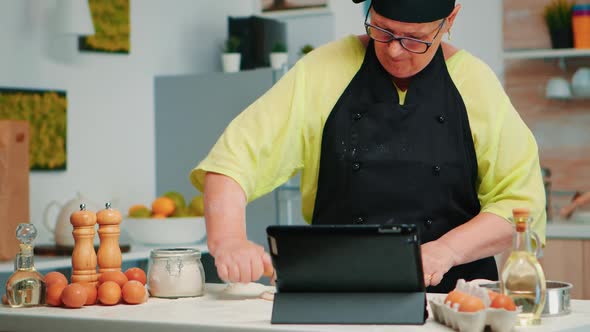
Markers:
<point>278,56</point>
<point>306,49</point>
<point>558,18</point>
<point>231,57</point>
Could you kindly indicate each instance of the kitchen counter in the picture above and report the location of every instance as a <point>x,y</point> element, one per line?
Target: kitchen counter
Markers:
<point>48,263</point>
<point>568,230</point>
<point>216,312</point>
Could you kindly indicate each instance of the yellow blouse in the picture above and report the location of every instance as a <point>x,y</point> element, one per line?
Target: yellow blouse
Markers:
<point>280,133</point>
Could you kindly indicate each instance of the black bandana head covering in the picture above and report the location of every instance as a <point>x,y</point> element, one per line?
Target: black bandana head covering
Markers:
<point>413,11</point>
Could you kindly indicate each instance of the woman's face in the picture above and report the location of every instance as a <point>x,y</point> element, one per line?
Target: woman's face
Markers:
<point>393,57</point>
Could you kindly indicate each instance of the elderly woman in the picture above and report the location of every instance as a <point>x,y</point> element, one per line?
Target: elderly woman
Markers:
<point>392,126</point>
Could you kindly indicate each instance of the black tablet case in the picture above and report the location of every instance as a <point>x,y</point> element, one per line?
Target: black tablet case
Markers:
<point>347,274</point>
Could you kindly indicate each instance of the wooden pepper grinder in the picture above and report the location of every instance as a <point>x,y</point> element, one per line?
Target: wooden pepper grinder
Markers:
<point>83,256</point>
<point>109,252</point>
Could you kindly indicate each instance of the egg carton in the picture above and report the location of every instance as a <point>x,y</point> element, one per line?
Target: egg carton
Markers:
<point>499,320</point>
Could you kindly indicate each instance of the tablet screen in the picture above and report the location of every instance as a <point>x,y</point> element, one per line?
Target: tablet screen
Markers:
<point>346,258</point>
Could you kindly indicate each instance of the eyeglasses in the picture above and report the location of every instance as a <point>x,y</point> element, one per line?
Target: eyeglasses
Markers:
<point>409,44</point>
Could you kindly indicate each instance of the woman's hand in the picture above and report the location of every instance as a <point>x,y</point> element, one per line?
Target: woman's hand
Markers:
<point>437,259</point>
<point>578,200</point>
<point>240,260</point>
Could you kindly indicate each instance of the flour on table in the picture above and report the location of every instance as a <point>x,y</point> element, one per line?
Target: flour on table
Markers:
<point>249,290</point>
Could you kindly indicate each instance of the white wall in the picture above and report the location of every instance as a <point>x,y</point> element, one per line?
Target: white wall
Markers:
<point>478,28</point>
<point>110,97</point>
<point>110,141</point>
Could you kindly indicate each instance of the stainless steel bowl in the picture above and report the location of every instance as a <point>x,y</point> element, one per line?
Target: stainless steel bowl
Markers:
<point>557,300</point>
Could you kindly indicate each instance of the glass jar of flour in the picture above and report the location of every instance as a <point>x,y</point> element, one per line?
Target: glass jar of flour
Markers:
<point>176,273</point>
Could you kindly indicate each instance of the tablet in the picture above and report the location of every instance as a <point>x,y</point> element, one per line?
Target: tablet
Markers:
<point>346,258</point>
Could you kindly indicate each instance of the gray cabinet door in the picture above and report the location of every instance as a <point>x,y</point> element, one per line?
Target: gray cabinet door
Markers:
<point>191,112</point>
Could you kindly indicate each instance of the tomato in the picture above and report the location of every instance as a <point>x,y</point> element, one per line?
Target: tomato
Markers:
<point>503,302</point>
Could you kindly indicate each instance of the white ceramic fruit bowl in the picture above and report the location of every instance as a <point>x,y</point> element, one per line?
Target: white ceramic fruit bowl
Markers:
<point>166,231</point>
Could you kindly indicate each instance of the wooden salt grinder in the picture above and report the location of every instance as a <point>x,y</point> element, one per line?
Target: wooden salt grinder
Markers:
<point>109,252</point>
<point>83,256</point>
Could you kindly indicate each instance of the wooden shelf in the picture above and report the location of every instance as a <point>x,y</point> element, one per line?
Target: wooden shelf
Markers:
<point>547,54</point>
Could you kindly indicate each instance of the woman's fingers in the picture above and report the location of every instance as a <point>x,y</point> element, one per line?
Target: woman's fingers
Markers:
<point>435,278</point>
<point>222,272</point>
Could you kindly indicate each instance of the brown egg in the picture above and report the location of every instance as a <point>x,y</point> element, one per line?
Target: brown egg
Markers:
<point>55,278</point>
<point>91,293</point>
<point>117,276</point>
<point>109,293</point>
<point>471,304</point>
<point>74,296</point>
<point>492,294</point>
<point>455,296</point>
<point>503,302</point>
<point>134,292</point>
<point>53,294</point>
<point>4,299</point>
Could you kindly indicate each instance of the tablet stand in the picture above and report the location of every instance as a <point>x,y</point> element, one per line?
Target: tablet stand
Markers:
<point>349,308</point>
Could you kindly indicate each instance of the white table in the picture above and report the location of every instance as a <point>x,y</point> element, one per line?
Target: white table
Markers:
<point>215,312</point>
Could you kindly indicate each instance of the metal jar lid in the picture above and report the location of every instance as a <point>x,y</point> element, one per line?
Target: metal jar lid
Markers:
<point>176,253</point>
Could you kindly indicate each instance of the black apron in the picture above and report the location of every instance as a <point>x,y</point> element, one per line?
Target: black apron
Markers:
<point>382,162</point>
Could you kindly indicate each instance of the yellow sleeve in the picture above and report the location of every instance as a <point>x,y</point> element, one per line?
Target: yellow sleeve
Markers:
<point>262,147</point>
<point>509,173</point>
<point>281,132</point>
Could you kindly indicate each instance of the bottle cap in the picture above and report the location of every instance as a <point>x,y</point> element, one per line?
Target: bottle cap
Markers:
<point>521,212</point>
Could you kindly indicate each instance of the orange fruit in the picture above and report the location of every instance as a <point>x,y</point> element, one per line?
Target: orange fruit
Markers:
<point>134,292</point>
<point>163,206</point>
<point>74,295</point>
<point>53,294</point>
<point>91,293</point>
<point>109,293</point>
<point>55,277</point>
<point>136,273</point>
<point>117,276</point>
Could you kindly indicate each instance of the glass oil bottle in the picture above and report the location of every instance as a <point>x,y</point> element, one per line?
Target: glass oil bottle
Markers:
<point>522,276</point>
<point>25,287</point>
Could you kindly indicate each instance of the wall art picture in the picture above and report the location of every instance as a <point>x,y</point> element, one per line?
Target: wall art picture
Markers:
<point>45,110</point>
<point>275,5</point>
<point>111,25</point>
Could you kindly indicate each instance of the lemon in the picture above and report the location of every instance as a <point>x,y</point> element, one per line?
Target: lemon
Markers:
<point>197,206</point>
<point>181,212</point>
<point>139,211</point>
<point>177,197</point>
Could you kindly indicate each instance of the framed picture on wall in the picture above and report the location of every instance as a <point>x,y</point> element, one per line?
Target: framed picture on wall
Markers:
<point>46,112</point>
<point>282,5</point>
<point>112,26</point>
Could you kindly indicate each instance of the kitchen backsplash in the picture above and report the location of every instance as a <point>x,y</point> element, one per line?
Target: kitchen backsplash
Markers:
<point>561,127</point>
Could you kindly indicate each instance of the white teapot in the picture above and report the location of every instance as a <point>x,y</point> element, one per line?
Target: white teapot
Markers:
<point>61,228</point>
